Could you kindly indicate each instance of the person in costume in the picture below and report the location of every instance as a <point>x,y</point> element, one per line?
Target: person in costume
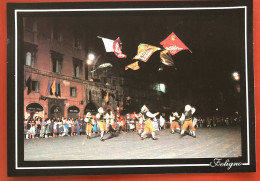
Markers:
<point>112,125</point>
<point>89,126</point>
<point>174,118</point>
<point>107,122</point>
<point>148,126</point>
<point>139,123</point>
<point>187,117</point>
<point>102,122</point>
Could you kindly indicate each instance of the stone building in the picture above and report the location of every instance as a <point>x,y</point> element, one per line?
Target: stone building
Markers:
<point>58,81</point>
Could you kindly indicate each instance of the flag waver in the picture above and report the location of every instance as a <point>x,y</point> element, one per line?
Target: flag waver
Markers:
<point>113,46</point>
<point>166,58</point>
<point>173,44</point>
<point>145,51</point>
<point>133,66</point>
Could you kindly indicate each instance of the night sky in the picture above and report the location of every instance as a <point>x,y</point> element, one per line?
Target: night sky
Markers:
<point>204,77</point>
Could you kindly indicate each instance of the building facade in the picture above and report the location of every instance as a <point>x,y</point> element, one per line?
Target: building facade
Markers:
<point>57,78</point>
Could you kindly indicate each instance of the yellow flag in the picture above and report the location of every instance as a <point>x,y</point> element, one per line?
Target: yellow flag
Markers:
<point>145,51</point>
<point>53,86</point>
<point>133,66</point>
<point>166,58</point>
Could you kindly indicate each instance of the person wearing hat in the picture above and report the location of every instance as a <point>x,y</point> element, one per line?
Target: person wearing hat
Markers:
<point>89,125</point>
<point>174,122</point>
<point>187,117</point>
<point>148,126</point>
<point>102,122</point>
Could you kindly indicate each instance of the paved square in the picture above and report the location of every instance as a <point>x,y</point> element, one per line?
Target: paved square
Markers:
<point>210,143</point>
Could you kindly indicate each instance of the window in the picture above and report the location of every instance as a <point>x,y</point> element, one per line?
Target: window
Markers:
<point>73,92</point>
<point>30,24</point>
<point>77,37</point>
<point>29,59</point>
<point>35,86</point>
<point>76,43</point>
<point>30,51</point>
<point>56,33</point>
<point>160,87</point>
<point>57,59</point>
<point>77,64</point>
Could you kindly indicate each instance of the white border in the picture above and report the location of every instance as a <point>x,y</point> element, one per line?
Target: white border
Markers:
<point>123,9</point>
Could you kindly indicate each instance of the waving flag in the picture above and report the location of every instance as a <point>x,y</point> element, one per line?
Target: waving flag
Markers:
<point>173,44</point>
<point>104,65</point>
<point>117,46</point>
<point>53,87</point>
<point>166,58</point>
<point>145,51</point>
<point>133,66</point>
<point>107,97</point>
<point>113,46</point>
<point>108,44</point>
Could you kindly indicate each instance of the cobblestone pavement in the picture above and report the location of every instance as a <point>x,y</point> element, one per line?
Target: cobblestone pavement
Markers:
<point>210,143</point>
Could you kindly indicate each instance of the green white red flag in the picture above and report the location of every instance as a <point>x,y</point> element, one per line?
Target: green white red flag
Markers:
<point>113,46</point>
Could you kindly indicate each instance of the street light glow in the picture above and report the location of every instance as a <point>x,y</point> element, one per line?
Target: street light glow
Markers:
<point>91,56</point>
<point>236,76</point>
<point>89,61</point>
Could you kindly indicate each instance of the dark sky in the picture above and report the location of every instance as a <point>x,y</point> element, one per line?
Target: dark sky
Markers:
<point>215,37</point>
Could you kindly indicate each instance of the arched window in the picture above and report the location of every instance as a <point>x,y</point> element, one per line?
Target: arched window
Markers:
<point>29,58</point>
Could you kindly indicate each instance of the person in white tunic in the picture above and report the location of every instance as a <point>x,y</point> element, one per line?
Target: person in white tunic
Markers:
<point>147,115</point>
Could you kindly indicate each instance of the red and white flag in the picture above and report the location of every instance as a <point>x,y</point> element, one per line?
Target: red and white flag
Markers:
<point>173,44</point>
<point>117,46</point>
<point>113,46</point>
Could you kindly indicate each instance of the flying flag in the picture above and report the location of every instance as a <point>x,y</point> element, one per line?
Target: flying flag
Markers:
<point>57,89</point>
<point>104,65</point>
<point>173,44</point>
<point>166,58</point>
<point>133,66</point>
<point>108,44</point>
<point>145,51</point>
<point>107,97</point>
<point>117,46</point>
<point>29,85</point>
<point>53,87</point>
<point>49,86</point>
<point>113,46</point>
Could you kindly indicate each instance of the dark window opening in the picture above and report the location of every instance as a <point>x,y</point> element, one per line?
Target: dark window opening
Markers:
<point>56,33</point>
<point>73,92</point>
<point>57,59</point>
<point>77,65</point>
<point>30,52</point>
<point>35,86</point>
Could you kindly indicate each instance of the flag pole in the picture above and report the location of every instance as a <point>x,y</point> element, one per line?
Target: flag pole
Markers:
<point>190,50</point>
